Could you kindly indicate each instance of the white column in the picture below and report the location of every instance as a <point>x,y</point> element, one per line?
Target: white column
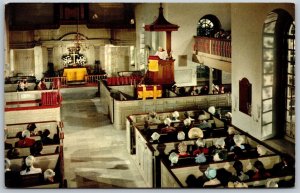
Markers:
<point>38,62</point>
<point>211,78</point>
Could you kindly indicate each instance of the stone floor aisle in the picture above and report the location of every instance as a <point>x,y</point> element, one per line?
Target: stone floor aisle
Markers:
<point>94,152</point>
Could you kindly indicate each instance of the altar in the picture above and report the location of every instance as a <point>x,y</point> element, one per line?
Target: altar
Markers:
<point>75,73</point>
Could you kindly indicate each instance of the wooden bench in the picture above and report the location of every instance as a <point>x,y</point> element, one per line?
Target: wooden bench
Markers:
<point>47,149</point>
<point>13,129</point>
<point>44,162</point>
<point>13,140</point>
<point>179,174</point>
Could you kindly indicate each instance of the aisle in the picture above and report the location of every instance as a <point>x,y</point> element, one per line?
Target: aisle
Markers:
<point>95,153</point>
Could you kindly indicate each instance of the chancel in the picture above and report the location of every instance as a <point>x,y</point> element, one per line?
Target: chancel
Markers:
<point>149,95</point>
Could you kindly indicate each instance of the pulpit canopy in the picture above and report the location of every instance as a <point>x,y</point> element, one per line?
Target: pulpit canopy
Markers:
<point>161,24</point>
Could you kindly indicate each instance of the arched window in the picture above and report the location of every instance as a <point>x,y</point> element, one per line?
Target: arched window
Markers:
<point>278,88</point>
<point>208,25</point>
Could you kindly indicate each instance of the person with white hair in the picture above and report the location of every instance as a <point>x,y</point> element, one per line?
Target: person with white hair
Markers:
<point>261,150</point>
<point>49,175</point>
<point>7,165</point>
<point>30,169</point>
<point>202,122</point>
<point>161,53</point>
<point>200,143</point>
<point>175,116</point>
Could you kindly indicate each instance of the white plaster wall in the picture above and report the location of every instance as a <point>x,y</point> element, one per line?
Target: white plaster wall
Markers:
<point>36,115</point>
<point>247,59</point>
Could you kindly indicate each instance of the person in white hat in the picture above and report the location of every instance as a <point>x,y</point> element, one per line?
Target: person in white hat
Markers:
<point>211,174</point>
<point>202,122</point>
<point>49,175</point>
<point>7,165</point>
<point>153,118</point>
<point>175,116</point>
<point>30,169</point>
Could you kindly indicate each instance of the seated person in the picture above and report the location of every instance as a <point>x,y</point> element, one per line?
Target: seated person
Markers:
<point>204,90</point>
<point>36,148</point>
<point>259,171</point>
<point>211,174</point>
<point>13,153</point>
<point>194,91</point>
<point>20,85</point>
<point>153,118</point>
<point>30,169</point>
<point>168,126</point>
<point>31,127</point>
<point>284,167</point>
<point>10,176</point>
<point>200,147</point>
<point>25,85</point>
<point>25,141</point>
<point>49,175</point>
<point>42,85</point>
<point>203,123</point>
<point>229,141</point>
<point>239,173</point>
<point>46,140</point>
<point>7,165</point>
<point>6,145</point>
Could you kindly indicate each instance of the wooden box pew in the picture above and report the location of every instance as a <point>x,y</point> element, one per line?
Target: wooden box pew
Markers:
<point>13,129</point>
<point>13,140</point>
<point>175,176</point>
<point>139,120</point>
<point>49,161</point>
<point>32,181</point>
<point>47,149</point>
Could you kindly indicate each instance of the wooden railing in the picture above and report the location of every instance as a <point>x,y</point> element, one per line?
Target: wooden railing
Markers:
<point>93,79</point>
<point>214,46</point>
<point>62,81</point>
<point>55,80</point>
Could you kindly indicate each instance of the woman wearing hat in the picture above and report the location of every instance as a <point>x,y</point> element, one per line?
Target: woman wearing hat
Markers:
<point>211,174</point>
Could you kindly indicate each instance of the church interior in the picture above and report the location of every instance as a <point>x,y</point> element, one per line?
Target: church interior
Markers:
<point>149,95</point>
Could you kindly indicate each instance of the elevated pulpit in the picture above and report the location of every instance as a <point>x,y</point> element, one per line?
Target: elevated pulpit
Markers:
<point>163,73</point>
<point>160,71</point>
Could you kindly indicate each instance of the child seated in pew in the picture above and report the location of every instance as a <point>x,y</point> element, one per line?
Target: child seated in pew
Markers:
<point>31,127</point>
<point>13,153</point>
<point>36,148</point>
<point>30,169</point>
<point>24,140</point>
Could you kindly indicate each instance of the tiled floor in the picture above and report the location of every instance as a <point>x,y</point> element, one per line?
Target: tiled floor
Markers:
<point>94,152</point>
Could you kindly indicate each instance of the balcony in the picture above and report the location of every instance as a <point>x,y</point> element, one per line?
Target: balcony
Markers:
<point>213,52</point>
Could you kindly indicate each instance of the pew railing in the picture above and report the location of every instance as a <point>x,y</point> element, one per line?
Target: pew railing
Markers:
<point>213,46</point>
